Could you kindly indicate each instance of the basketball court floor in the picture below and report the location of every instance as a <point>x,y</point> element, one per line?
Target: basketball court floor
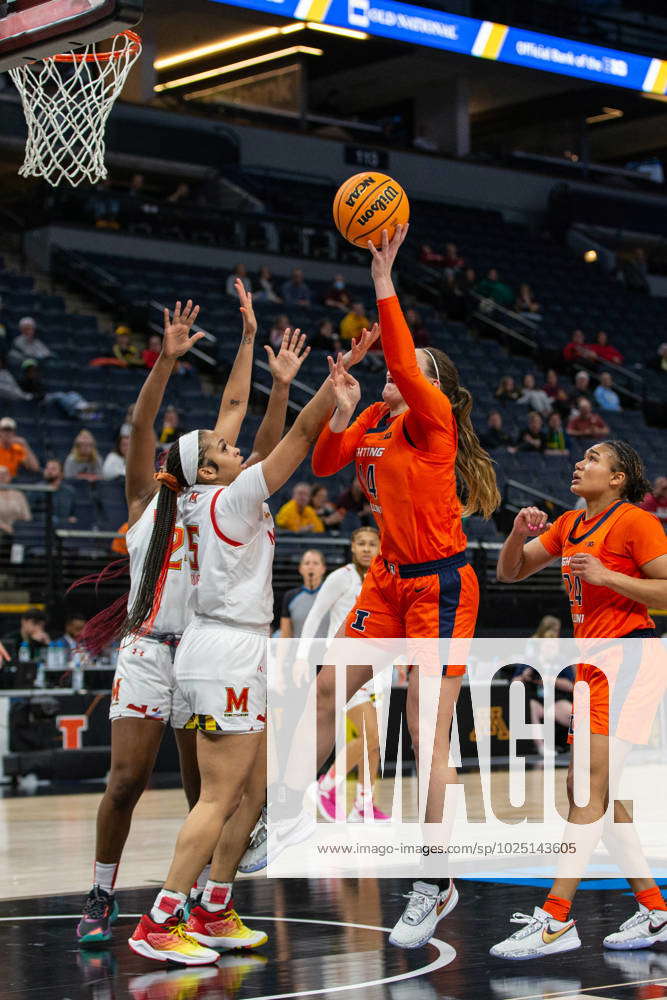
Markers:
<point>327,937</point>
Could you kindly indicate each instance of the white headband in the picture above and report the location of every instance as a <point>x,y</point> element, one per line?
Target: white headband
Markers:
<point>188,450</point>
<point>426,350</point>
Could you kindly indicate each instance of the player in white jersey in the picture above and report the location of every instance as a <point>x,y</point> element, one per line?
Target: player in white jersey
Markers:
<point>221,663</point>
<point>144,694</point>
<point>336,598</point>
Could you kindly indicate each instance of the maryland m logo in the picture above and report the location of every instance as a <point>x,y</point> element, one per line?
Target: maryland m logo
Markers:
<point>237,703</point>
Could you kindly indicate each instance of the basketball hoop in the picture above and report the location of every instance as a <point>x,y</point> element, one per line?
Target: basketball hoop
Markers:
<point>67,100</point>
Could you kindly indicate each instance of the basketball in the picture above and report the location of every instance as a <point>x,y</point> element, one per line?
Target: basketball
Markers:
<point>367,203</point>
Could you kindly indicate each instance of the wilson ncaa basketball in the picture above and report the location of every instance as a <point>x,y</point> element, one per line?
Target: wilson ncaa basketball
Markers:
<point>367,203</point>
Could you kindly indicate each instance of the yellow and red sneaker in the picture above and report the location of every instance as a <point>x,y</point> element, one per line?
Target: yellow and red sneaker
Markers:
<point>169,942</point>
<point>222,929</point>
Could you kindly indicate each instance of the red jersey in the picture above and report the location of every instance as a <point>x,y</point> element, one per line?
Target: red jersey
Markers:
<point>405,464</point>
<point>624,538</point>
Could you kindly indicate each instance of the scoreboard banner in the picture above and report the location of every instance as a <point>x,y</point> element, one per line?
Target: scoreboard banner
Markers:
<point>416,25</point>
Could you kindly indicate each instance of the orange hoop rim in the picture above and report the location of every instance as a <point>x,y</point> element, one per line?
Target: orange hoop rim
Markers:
<point>103,57</point>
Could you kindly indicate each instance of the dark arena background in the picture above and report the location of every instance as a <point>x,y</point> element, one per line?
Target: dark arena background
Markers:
<point>531,139</point>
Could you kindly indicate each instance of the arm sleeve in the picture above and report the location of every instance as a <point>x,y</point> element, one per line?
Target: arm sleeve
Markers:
<point>647,539</point>
<point>334,451</point>
<point>238,508</point>
<point>552,539</point>
<point>330,591</point>
<point>428,405</point>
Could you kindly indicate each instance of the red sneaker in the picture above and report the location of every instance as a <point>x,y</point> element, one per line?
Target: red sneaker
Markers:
<point>222,929</point>
<point>169,942</point>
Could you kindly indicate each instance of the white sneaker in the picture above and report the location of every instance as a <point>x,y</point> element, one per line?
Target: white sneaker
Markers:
<point>542,935</point>
<point>644,929</point>
<point>254,858</point>
<point>427,905</point>
<point>291,831</point>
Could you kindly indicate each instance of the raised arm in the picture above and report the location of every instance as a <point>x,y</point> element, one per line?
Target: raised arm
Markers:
<point>339,387</point>
<point>234,402</point>
<point>139,483</point>
<point>518,559</point>
<point>284,367</point>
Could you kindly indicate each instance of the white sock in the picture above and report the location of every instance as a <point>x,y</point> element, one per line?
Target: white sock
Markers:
<point>167,904</point>
<point>105,876</point>
<point>216,895</point>
<point>328,781</point>
<point>200,884</point>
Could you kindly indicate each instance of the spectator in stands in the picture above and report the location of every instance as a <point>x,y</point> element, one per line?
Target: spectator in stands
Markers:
<point>296,292</point>
<point>582,387</point>
<point>545,653</point>
<point>533,437</point>
<point>10,390</point>
<point>605,396</point>
<point>114,463</point>
<point>327,512</point>
<point>659,360</point>
<point>578,350</point>
<point>297,515</point>
<point>656,500</point>
<point>431,257</point>
<point>417,329</point>
<point>354,322</point>
<point>277,332</point>
<point>151,352</point>
<point>136,188</point>
<point>453,261</point>
<point>83,461</point>
<point>71,403</point>
<point>28,344</point>
<point>586,423</point>
<point>491,287</point>
<point>13,507</point>
<point>536,398</point>
<point>239,273</point>
<point>557,439</point>
<point>31,379</point>
<point>353,501</point>
<point>526,304</point>
<point>64,498</point>
<point>298,601</point>
<point>267,292</point>
<point>337,295</point>
<point>171,426</point>
<point>124,351</point>
<point>558,394</point>
<point>326,338</point>
<point>32,632</point>
<point>507,389</point>
<point>15,452</point>
<point>494,436</point>
<point>126,426</point>
<point>604,350</point>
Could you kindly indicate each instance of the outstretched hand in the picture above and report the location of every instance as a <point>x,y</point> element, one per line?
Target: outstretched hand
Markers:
<point>177,340</point>
<point>385,255</point>
<point>247,311</point>
<point>360,348</point>
<point>292,354</point>
<point>347,391</point>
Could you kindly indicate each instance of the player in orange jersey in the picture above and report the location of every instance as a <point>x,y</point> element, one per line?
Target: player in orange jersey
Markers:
<point>409,451</point>
<point>614,563</point>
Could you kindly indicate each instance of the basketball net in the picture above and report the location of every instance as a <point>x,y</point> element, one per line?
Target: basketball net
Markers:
<point>67,100</point>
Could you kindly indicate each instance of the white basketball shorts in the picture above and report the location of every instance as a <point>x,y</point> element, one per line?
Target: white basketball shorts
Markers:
<point>144,685</point>
<point>221,672</point>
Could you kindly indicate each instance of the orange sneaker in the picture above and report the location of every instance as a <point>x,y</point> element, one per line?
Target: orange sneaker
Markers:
<point>169,942</point>
<point>222,929</point>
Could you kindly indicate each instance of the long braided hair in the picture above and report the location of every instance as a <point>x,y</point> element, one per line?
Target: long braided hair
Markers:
<point>143,612</point>
<point>474,467</point>
<point>626,460</point>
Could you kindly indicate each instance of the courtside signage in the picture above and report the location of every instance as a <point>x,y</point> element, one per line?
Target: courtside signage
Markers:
<point>422,26</point>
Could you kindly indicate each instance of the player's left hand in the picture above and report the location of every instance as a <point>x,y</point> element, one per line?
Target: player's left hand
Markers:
<point>347,391</point>
<point>247,311</point>
<point>590,569</point>
<point>177,340</point>
<point>360,348</point>
<point>286,363</point>
<point>385,255</point>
